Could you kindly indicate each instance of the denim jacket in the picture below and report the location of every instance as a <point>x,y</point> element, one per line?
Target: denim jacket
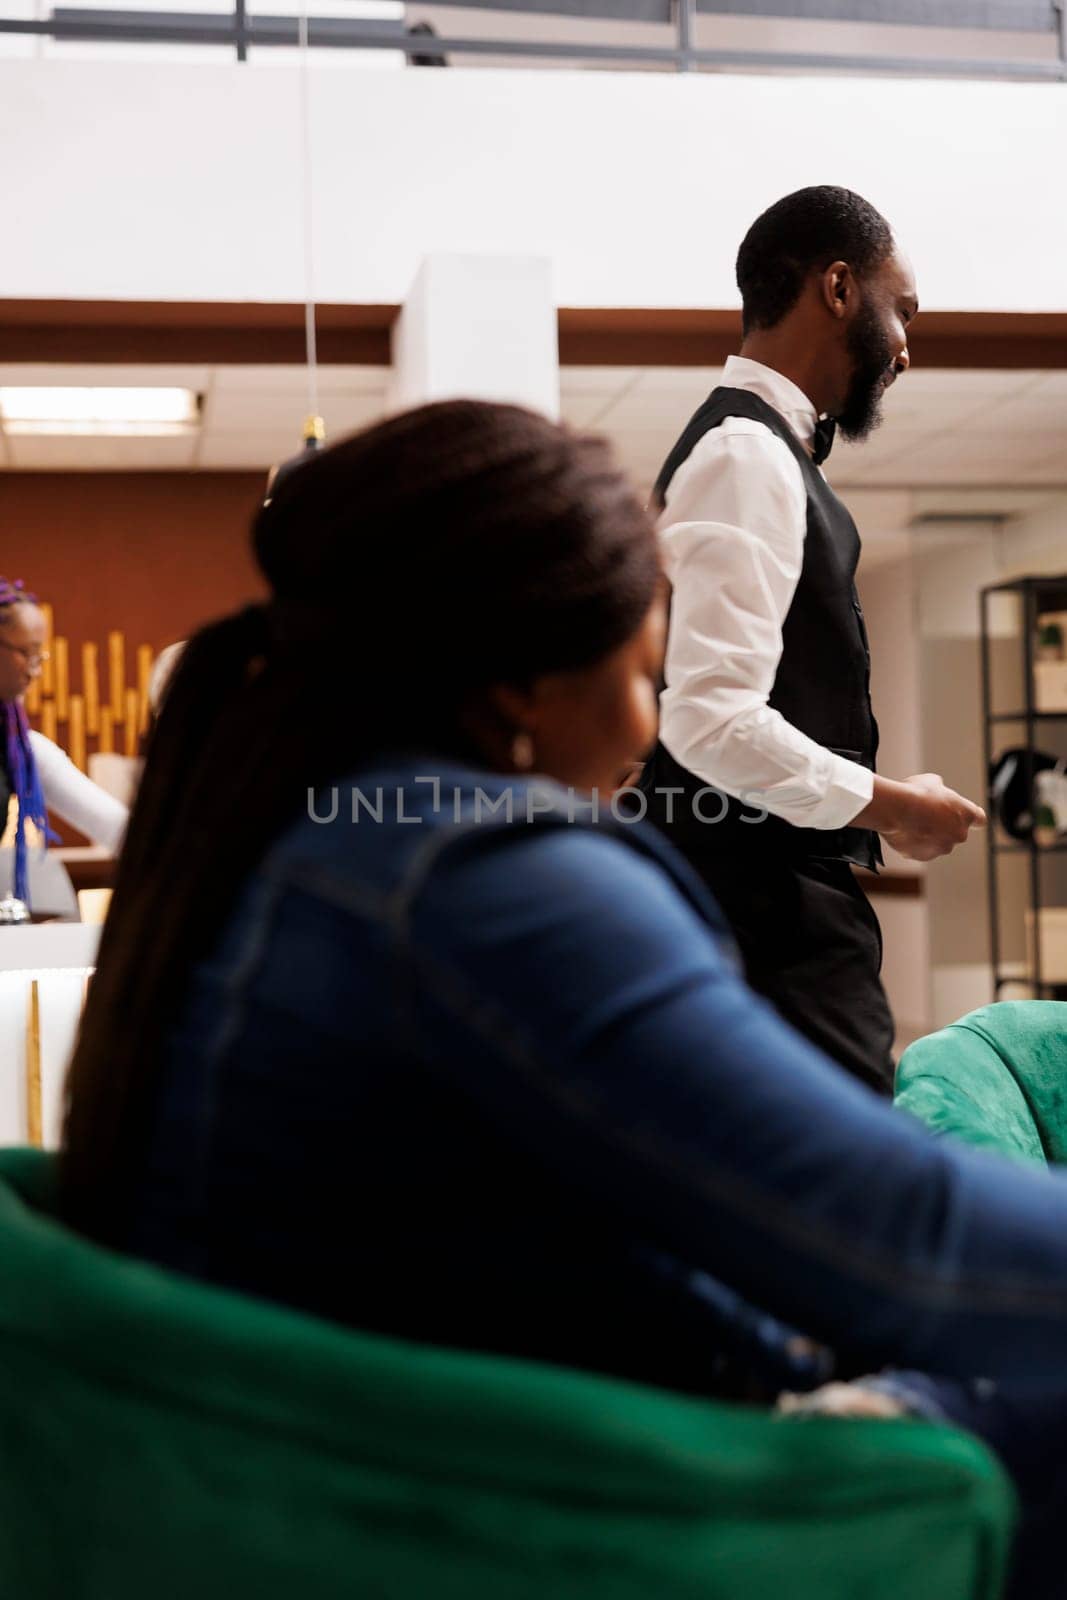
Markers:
<point>470,1066</point>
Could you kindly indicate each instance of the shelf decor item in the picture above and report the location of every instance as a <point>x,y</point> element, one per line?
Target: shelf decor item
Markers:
<point>1049,640</point>
<point>1013,788</point>
<point>1050,805</point>
<point>1050,665</point>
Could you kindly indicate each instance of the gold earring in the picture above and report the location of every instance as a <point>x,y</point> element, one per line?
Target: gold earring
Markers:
<point>522,752</point>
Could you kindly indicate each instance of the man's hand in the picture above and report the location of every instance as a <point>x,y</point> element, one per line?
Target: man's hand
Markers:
<point>842,1400</point>
<point>921,818</point>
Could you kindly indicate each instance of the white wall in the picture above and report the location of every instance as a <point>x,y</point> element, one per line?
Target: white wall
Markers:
<point>922,612</point>
<point>890,606</point>
<point>887,590</point>
<point>952,563</point>
<point>906,971</point>
<point>182,182</point>
<point>1036,544</point>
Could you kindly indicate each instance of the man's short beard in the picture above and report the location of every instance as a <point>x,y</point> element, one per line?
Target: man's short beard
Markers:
<point>872,363</point>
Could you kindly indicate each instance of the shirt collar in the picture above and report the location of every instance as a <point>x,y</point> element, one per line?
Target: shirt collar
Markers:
<point>779,391</point>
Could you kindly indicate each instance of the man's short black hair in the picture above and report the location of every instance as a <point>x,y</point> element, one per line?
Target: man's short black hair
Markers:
<point>805,232</point>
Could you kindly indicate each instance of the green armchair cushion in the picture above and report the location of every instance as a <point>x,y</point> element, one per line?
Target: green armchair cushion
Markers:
<point>161,1437</point>
<point>997,1078</point>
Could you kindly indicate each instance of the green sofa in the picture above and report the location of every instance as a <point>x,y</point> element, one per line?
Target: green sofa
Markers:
<point>997,1078</point>
<point>161,1438</point>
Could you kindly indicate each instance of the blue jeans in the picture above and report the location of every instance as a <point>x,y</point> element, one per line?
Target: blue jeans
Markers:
<point>497,1082</point>
<point>1025,1424</point>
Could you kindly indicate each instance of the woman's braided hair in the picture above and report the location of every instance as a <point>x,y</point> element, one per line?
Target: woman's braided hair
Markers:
<point>411,568</point>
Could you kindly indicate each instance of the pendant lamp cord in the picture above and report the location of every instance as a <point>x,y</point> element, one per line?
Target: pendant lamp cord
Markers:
<point>310,344</point>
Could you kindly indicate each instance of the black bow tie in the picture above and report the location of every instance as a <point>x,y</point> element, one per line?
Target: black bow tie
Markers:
<point>823,441</point>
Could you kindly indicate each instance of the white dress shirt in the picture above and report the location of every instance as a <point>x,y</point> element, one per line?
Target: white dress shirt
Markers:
<point>732,537</point>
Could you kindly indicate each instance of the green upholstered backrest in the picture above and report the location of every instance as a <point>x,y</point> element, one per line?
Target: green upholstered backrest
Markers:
<point>160,1437</point>
<point>997,1078</point>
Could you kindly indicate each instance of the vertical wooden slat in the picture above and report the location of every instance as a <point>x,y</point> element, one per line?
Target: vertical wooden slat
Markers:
<point>106,742</point>
<point>116,652</point>
<point>33,1067</point>
<point>76,734</point>
<point>48,674</point>
<point>61,662</point>
<point>145,658</point>
<point>33,698</point>
<point>133,722</point>
<point>91,687</point>
<point>48,719</point>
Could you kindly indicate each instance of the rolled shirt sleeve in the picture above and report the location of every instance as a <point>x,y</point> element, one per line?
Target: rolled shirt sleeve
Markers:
<point>732,538</point>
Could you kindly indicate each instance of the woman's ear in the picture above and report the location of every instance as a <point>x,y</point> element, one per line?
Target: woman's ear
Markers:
<point>504,722</point>
<point>518,706</point>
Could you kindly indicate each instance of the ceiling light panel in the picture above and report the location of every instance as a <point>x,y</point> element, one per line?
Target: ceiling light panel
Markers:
<point>113,410</point>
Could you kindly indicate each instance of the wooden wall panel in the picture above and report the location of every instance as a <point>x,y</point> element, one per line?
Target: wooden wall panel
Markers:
<point>154,554</point>
<point>213,333</point>
<point>150,555</point>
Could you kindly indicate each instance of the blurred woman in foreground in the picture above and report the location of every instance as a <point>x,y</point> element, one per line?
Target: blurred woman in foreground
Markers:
<point>391,1030</point>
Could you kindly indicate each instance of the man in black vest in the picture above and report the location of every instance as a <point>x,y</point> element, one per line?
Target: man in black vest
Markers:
<point>764,774</point>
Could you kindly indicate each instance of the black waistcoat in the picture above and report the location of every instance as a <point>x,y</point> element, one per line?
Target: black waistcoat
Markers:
<point>822,685</point>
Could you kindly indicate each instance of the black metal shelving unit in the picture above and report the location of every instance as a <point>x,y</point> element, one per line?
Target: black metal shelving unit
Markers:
<point>1034,596</point>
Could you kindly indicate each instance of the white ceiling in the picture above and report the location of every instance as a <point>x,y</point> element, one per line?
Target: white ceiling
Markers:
<point>952,443</point>
<point>251,416</point>
<point>987,442</point>
<point>959,428</point>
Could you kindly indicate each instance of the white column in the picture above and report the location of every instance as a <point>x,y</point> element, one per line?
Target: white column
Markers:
<point>478,327</point>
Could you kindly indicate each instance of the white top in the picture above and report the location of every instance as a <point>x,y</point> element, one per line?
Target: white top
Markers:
<point>732,537</point>
<point>76,798</point>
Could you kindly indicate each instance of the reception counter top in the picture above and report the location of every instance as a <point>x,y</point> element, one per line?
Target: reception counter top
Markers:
<point>48,944</point>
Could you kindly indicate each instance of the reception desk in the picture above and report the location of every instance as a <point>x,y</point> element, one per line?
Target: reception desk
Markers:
<point>44,970</point>
<point>48,944</point>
